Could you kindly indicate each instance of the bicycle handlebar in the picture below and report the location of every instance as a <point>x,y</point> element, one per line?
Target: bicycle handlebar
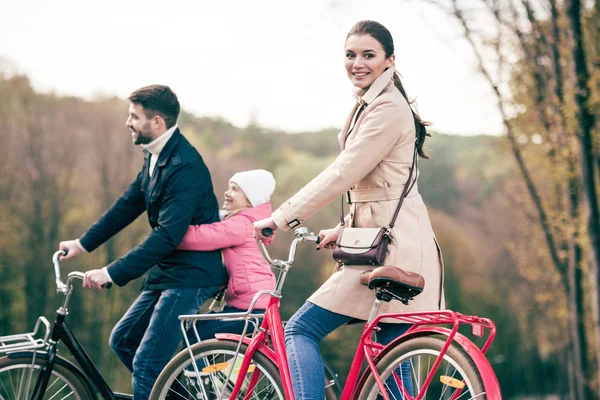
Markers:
<point>267,232</point>
<point>61,287</point>
<point>300,235</point>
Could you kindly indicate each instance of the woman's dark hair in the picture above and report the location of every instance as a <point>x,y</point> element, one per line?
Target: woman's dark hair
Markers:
<point>157,100</point>
<point>384,37</point>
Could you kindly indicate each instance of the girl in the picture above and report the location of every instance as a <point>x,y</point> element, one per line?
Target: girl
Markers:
<point>378,143</point>
<point>246,201</point>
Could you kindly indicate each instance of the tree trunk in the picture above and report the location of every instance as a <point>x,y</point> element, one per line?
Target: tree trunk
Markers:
<point>585,124</point>
<point>577,325</point>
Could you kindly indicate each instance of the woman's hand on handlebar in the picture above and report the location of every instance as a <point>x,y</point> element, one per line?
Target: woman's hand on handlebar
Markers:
<point>327,237</point>
<point>261,230</point>
<point>72,249</point>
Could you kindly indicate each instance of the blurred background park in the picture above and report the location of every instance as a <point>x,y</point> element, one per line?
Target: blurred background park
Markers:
<point>512,87</point>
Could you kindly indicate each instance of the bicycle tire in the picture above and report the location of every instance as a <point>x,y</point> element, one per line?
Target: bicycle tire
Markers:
<point>169,385</point>
<point>63,381</point>
<point>455,361</point>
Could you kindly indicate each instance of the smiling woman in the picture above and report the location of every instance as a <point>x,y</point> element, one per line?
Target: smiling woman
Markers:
<point>376,167</point>
<point>365,60</point>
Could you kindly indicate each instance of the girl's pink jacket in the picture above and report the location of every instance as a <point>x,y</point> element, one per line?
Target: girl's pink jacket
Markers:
<point>248,270</point>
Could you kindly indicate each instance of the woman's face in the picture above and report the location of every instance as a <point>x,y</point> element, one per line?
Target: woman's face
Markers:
<point>365,60</point>
<point>235,198</point>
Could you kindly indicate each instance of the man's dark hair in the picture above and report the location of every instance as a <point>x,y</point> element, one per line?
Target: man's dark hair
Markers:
<point>157,100</point>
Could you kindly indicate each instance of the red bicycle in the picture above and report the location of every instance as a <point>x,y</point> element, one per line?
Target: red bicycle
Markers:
<point>444,364</point>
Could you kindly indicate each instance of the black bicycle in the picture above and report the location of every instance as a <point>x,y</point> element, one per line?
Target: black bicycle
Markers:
<point>31,369</point>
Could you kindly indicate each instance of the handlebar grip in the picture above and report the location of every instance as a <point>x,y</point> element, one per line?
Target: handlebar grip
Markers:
<point>64,252</point>
<point>318,239</point>
<point>267,232</point>
<point>107,285</point>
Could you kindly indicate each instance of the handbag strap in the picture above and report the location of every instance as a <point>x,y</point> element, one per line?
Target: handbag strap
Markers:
<point>407,188</point>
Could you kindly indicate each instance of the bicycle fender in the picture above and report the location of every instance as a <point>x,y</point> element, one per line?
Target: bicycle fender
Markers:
<point>63,362</point>
<point>264,350</point>
<point>490,381</point>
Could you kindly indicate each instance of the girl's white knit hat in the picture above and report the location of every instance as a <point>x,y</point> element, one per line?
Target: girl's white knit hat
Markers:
<point>257,184</point>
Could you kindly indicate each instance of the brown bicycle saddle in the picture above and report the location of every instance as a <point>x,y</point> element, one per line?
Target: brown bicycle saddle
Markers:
<point>403,284</point>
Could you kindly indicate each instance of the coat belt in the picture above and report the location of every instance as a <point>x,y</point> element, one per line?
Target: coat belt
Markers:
<point>379,194</point>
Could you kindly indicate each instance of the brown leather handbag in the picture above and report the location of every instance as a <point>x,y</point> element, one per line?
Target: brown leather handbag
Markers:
<point>368,246</point>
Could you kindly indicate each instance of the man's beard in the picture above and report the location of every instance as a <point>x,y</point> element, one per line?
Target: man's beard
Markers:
<point>142,139</point>
<point>144,135</point>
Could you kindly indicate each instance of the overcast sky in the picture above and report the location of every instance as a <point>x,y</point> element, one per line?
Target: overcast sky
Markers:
<point>276,60</point>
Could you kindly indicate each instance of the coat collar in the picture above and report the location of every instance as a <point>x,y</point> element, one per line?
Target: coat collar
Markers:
<point>365,97</point>
<point>163,157</point>
<point>156,146</point>
<point>168,149</point>
<point>382,81</point>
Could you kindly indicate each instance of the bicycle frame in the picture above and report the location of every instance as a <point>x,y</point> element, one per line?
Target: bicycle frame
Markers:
<point>423,323</point>
<point>62,331</point>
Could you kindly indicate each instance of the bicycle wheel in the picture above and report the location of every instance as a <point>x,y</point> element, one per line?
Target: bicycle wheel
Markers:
<point>456,375</point>
<point>215,359</point>
<point>18,377</point>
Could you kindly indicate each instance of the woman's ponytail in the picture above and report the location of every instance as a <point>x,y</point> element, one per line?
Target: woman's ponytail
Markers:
<point>420,125</point>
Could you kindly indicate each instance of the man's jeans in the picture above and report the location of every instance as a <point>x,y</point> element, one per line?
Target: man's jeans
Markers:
<point>149,333</point>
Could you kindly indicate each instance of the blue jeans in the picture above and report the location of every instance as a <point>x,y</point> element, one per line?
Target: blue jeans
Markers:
<point>149,333</point>
<point>303,333</point>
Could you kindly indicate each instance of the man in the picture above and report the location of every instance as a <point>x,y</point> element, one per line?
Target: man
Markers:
<point>175,189</point>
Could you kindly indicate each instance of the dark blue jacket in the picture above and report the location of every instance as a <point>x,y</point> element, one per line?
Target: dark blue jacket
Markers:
<point>179,194</point>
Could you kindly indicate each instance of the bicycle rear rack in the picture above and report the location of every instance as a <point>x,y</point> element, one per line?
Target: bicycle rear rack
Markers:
<point>446,317</point>
<point>26,341</point>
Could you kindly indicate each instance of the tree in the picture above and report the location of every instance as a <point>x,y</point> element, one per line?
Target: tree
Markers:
<point>531,97</point>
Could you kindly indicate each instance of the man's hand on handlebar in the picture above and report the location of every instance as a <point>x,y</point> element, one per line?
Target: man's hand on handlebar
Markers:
<point>95,279</point>
<point>72,249</point>
<point>261,230</point>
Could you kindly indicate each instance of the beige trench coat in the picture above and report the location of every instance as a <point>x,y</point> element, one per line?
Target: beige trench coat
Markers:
<point>374,164</point>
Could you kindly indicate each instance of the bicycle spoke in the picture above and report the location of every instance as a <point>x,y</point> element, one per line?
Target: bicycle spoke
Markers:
<point>417,374</point>
<point>390,391</point>
<point>4,387</point>
<point>67,396</point>
<point>59,390</point>
<point>428,369</point>
<point>452,374</point>
<point>219,366</point>
<point>184,388</point>
<point>20,379</point>
<point>11,382</point>
<point>446,386</point>
<point>257,395</point>
<point>52,384</point>
<point>29,380</point>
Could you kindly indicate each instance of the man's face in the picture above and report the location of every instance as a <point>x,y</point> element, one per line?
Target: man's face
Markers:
<point>139,125</point>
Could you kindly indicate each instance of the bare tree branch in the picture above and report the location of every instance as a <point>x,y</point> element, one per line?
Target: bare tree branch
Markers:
<point>531,188</point>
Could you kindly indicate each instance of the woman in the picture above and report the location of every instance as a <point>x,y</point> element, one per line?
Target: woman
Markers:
<point>377,145</point>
